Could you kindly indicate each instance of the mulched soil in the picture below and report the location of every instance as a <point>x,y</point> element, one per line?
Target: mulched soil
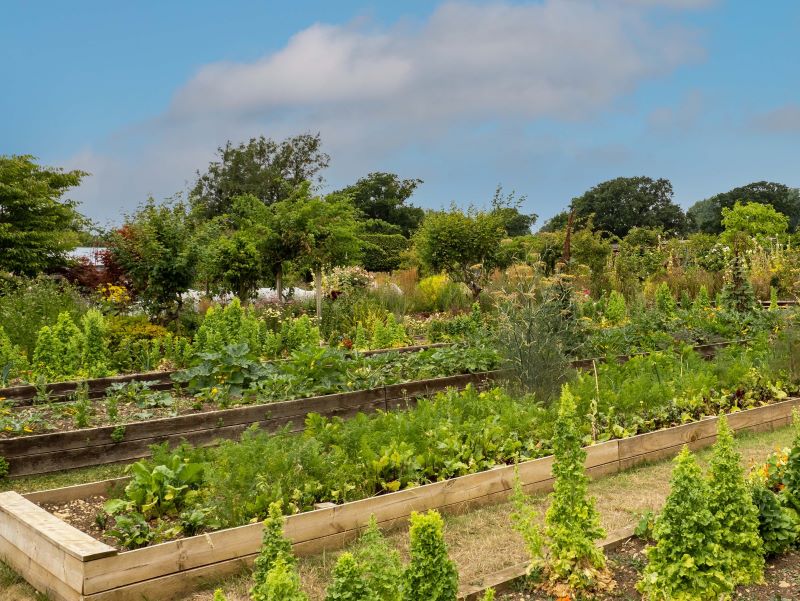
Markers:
<point>62,416</point>
<point>781,578</point>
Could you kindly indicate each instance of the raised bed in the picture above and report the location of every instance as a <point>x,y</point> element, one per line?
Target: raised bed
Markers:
<point>43,453</point>
<point>70,565</point>
<point>158,380</point>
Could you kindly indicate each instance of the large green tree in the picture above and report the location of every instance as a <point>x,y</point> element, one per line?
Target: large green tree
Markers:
<point>706,215</point>
<point>156,251</point>
<point>313,232</point>
<point>37,226</point>
<point>463,244</point>
<point>623,203</point>
<point>262,167</point>
<point>381,200</point>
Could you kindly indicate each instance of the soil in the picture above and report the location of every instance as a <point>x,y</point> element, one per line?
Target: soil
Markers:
<point>63,416</point>
<point>781,578</point>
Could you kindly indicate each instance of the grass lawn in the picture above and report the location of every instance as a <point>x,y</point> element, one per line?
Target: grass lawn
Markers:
<point>480,541</point>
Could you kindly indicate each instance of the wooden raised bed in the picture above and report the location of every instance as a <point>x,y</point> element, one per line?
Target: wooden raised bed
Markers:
<point>158,380</point>
<point>71,566</point>
<point>43,453</point>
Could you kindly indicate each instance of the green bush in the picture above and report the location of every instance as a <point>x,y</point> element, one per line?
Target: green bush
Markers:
<point>275,547</point>
<point>388,333</point>
<point>348,581</point>
<point>431,575</point>
<point>12,359</point>
<point>616,310</point>
<point>731,504</point>
<point>566,552</point>
<point>384,252</point>
<point>295,333</point>
<point>229,325</point>
<point>778,526</point>
<point>282,583</point>
<point>26,305</point>
<point>382,569</point>
<point>95,355</point>
<point>688,560</point>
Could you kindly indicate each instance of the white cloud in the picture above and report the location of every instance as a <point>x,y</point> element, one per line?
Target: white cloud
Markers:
<point>782,120</point>
<point>373,91</point>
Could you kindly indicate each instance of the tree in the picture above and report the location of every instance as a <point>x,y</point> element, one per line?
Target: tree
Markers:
<point>314,232</point>
<point>706,215</point>
<point>465,245</point>
<point>557,223</point>
<point>154,248</point>
<point>236,264</point>
<point>515,222</point>
<point>381,200</point>
<point>753,220</point>
<point>37,227</point>
<point>262,167</point>
<point>627,202</point>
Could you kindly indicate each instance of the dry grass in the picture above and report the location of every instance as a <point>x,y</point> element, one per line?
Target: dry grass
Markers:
<point>481,541</point>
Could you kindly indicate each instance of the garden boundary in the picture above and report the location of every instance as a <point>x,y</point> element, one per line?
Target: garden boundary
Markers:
<point>158,380</point>
<point>43,453</point>
<point>69,565</point>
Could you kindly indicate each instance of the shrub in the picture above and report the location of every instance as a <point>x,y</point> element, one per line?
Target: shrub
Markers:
<point>388,334</point>
<point>384,252</point>
<point>69,345</point>
<point>225,326</point>
<point>46,355</point>
<point>572,524</point>
<point>431,575</point>
<point>275,547</point>
<point>294,334</point>
<point>382,569</point>
<point>282,583</point>
<point>346,279</point>
<point>616,309</point>
<point>95,358</point>
<point>778,526</point>
<point>731,503</point>
<point>348,581</point>
<point>219,595</point>
<point>687,561</point>
<point>665,303</point>
<point>12,359</point>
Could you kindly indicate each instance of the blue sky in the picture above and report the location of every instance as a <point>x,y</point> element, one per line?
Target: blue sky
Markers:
<point>547,98</point>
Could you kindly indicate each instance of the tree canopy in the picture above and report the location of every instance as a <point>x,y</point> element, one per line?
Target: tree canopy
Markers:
<point>37,226</point>
<point>627,202</point>
<point>706,215</point>
<point>463,244</point>
<point>754,221</point>
<point>262,167</point>
<point>381,200</point>
<point>156,251</point>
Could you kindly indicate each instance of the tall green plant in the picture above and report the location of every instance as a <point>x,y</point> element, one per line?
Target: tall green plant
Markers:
<point>275,547</point>
<point>731,503</point>
<point>282,583</point>
<point>348,581</point>
<point>383,571</point>
<point>688,560</point>
<point>69,345</point>
<point>431,575</point>
<point>95,351</point>
<point>572,524</point>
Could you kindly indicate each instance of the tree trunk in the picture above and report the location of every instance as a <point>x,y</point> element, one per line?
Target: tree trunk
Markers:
<point>318,289</point>
<point>279,283</point>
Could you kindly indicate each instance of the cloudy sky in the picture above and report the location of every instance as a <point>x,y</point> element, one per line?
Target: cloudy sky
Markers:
<point>547,98</point>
